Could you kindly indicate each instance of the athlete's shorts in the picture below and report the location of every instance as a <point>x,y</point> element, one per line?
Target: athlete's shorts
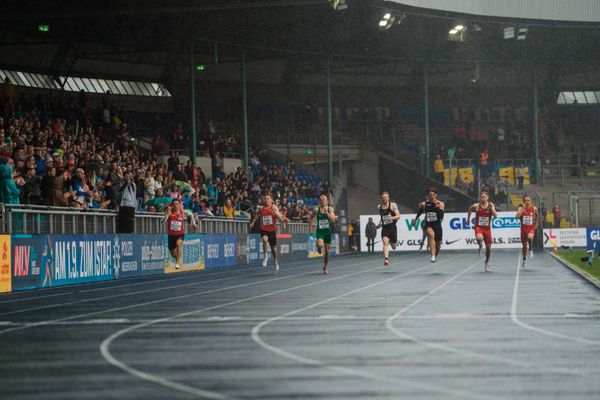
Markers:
<point>524,233</point>
<point>272,236</point>
<point>437,230</point>
<point>173,241</point>
<point>487,234</point>
<point>390,232</point>
<point>325,236</point>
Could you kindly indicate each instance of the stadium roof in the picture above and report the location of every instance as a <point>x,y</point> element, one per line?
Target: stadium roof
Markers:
<point>150,40</point>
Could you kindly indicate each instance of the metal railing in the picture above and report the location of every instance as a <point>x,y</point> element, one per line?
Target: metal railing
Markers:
<point>26,220</point>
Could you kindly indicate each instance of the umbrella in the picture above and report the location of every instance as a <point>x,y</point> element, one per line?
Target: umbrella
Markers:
<point>184,185</point>
<point>158,201</point>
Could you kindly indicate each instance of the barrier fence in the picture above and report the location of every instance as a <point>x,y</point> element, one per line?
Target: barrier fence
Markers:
<point>41,261</point>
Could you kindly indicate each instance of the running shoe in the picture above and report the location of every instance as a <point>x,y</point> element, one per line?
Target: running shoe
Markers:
<point>386,263</point>
<point>530,254</point>
<point>487,267</point>
<point>480,248</point>
<point>276,266</point>
<point>432,259</point>
<point>325,271</point>
<point>524,263</point>
<point>265,260</point>
<point>177,266</point>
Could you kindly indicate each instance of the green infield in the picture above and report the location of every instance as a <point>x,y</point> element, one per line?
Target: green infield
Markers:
<point>575,259</point>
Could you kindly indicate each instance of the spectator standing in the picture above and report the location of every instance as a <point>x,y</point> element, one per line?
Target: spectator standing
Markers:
<point>521,176</point>
<point>438,166</point>
<point>451,154</point>
<point>543,213</point>
<point>484,159</point>
<point>557,215</point>
<point>370,233</point>
<point>127,205</point>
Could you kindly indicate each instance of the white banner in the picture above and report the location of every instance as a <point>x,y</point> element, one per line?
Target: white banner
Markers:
<point>573,237</point>
<point>506,232</point>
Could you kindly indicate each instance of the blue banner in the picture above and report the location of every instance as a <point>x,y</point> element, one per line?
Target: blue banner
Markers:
<point>254,244</point>
<point>593,238</point>
<point>299,247</point>
<point>241,249</point>
<point>136,255</point>
<point>284,247</point>
<point>26,261</point>
<point>69,259</point>
<point>220,250</point>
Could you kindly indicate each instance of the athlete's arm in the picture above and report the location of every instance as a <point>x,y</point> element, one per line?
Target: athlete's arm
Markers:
<point>441,205</point>
<point>380,224</point>
<point>394,207</point>
<point>167,211</point>
<point>310,219</point>
<point>536,216</point>
<point>469,212</point>
<point>255,219</point>
<point>331,214</point>
<point>278,214</point>
<point>419,213</point>
<point>494,213</point>
<point>520,210</point>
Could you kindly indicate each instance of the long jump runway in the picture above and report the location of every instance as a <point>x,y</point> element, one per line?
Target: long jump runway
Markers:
<point>414,330</point>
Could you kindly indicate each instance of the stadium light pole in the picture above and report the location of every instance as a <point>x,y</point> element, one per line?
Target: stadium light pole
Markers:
<point>536,134</point>
<point>193,150</point>
<point>244,110</point>
<point>426,114</point>
<point>329,128</point>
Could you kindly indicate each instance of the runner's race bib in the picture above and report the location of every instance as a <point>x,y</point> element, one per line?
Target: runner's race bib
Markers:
<point>387,219</point>
<point>267,220</point>
<point>484,221</point>
<point>527,220</point>
<point>431,217</point>
<point>176,225</point>
<point>323,224</point>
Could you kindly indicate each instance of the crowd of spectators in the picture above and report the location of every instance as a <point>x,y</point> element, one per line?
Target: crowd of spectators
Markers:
<point>59,151</point>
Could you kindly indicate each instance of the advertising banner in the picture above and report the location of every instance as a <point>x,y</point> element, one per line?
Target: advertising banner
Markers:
<point>5,280</point>
<point>26,253</point>
<point>572,237</point>
<point>299,247</point>
<point>593,238</point>
<point>284,247</point>
<point>457,235</point>
<point>136,255</point>
<point>254,245</point>
<point>241,249</point>
<point>193,254</point>
<point>335,244</point>
<point>312,246</point>
<point>69,259</point>
<point>220,250</point>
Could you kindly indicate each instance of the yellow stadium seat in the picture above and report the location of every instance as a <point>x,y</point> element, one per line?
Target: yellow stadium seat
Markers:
<point>515,200</point>
<point>550,219</point>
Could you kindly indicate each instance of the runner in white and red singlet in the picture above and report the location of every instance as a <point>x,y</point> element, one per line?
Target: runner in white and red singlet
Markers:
<point>484,211</point>
<point>269,214</point>
<point>175,218</point>
<point>529,217</point>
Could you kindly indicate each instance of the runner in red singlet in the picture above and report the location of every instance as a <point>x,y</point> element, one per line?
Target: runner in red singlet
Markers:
<point>484,211</point>
<point>268,228</point>
<point>529,217</point>
<point>175,217</point>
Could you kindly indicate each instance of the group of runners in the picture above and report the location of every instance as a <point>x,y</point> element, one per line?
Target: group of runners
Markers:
<point>432,209</point>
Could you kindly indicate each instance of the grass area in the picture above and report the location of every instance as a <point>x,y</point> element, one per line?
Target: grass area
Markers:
<point>575,259</point>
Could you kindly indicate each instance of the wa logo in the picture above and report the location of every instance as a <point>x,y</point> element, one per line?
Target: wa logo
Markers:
<point>417,225</point>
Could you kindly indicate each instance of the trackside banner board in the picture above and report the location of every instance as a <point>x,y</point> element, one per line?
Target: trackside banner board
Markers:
<point>457,235</point>
<point>572,237</point>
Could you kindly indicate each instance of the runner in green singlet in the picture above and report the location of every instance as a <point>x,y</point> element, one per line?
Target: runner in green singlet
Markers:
<point>325,217</point>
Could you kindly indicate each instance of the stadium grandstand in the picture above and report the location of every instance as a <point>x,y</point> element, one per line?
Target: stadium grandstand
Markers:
<point>157,158</point>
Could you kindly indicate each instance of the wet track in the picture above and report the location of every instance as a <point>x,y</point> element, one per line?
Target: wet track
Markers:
<point>414,330</point>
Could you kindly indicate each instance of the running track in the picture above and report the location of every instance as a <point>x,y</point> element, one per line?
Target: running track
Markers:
<point>415,330</point>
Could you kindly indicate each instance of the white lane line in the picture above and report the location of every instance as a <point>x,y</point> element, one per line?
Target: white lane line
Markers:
<point>158,301</point>
<point>105,345</point>
<point>515,318</point>
<point>255,334</point>
<point>82,301</point>
<point>149,279</point>
<point>449,349</point>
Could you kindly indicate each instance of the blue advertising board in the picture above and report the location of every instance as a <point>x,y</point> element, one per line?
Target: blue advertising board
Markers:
<point>254,244</point>
<point>220,250</point>
<point>593,238</point>
<point>241,249</point>
<point>299,247</point>
<point>69,259</point>
<point>284,247</point>
<point>26,253</point>
<point>136,255</point>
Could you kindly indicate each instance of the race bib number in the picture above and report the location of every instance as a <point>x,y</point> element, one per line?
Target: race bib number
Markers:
<point>387,219</point>
<point>527,220</point>
<point>484,221</point>
<point>431,217</point>
<point>176,225</point>
<point>323,224</point>
<point>267,220</point>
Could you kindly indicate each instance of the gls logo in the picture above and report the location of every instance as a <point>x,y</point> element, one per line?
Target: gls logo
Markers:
<point>595,235</point>
<point>502,222</point>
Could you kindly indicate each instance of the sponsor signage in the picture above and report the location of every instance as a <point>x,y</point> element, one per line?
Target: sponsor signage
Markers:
<point>220,250</point>
<point>572,237</point>
<point>458,235</point>
<point>5,278</point>
<point>26,260</point>
<point>254,244</point>
<point>284,247</point>
<point>312,246</point>
<point>593,238</point>
<point>136,255</point>
<point>193,254</point>
<point>299,246</point>
<point>241,249</point>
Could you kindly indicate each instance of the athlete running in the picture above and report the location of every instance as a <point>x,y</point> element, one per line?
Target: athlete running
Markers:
<point>484,211</point>
<point>175,217</point>
<point>529,217</point>
<point>389,233</point>
<point>268,228</point>
<point>325,217</point>
<point>434,213</point>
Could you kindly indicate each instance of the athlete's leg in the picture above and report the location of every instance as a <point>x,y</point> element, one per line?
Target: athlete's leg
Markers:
<point>530,236</point>
<point>488,253</point>
<point>320,245</point>
<point>326,257</point>
<point>179,253</point>
<point>479,237</point>
<point>438,247</point>
<point>386,242</point>
<point>265,240</point>
<point>431,240</point>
